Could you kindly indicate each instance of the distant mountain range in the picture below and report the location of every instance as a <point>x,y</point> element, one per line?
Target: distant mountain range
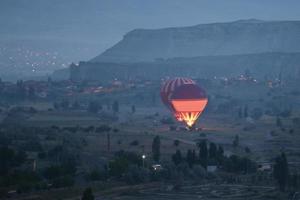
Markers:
<point>233,38</point>
<point>219,49</point>
<point>261,66</point>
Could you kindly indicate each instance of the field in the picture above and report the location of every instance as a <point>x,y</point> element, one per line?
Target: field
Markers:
<point>261,136</point>
<point>134,132</point>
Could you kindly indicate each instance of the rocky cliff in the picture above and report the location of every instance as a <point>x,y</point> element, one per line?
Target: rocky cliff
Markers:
<point>239,37</point>
<point>263,65</point>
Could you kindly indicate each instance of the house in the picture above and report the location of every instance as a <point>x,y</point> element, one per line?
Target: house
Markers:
<point>157,167</point>
<point>211,168</point>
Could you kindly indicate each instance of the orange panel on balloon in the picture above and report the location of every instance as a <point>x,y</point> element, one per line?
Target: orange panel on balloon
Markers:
<point>189,105</point>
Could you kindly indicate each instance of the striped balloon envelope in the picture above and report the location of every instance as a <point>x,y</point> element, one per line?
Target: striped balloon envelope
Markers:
<point>167,91</point>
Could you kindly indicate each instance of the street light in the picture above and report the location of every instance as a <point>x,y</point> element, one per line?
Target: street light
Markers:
<point>143,157</point>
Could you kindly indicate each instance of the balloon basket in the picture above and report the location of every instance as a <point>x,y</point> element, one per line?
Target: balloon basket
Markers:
<point>193,128</point>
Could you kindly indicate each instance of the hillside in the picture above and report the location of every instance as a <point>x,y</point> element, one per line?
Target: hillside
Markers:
<point>239,37</point>
<point>261,65</point>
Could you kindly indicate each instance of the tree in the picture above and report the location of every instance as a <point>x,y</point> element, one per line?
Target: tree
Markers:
<point>31,93</point>
<point>156,148</point>
<point>88,194</point>
<point>133,109</point>
<point>20,157</point>
<point>194,156</point>
<point>212,150</point>
<point>21,91</point>
<point>236,141</point>
<point>63,181</point>
<point>240,112</point>
<point>49,80</point>
<point>220,154</point>
<point>294,181</point>
<point>203,154</point>
<point>94,107</point>
<point>153,98</point>
<point>118,166</point>
<point>246,111</point>
<point>65,104</point>
<point>6,160</point>
<point>167,120</point>
<point>247,150</point>
<point>56,105</point>
<point>115,106</point>
<point>190,157</point>
<point>257,113</point>
<point>59,171</point>
<point>134,143</point>
<point>135,174</point>
<point>177,157</point>
<point>96,175</point>
<point>236,164</point>
<point>103,128</point>
<point>176,143</point>
<point>75,105</point>
<point>281,171</point>
<point>247,73</point>
<point>108,142</point>
<point>278,122</point>
<point>10,159</point>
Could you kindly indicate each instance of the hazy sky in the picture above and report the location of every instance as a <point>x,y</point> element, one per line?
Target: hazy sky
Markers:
<point>98,24</point>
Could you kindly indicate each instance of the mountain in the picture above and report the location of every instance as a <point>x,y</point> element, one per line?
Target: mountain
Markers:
<point>238,37</point>
<point>261,66</point>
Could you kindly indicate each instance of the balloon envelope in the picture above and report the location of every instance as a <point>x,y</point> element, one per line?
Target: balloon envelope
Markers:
<point>189,100</point>
<point>167,90</point>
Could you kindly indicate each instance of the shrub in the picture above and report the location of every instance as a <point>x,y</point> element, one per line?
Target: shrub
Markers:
<point>134,143</point>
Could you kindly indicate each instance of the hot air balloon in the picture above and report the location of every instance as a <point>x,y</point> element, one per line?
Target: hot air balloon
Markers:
<point>189,100</point>
<point>167,90</point>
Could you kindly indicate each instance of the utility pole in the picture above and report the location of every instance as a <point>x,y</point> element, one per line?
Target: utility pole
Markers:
<point>143,158</point>
<point>34,165</point>
<point>108,142</point>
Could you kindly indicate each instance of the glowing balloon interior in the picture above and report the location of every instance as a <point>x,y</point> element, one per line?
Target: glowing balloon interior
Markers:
<point>189,101</point>
<point>189,109</point>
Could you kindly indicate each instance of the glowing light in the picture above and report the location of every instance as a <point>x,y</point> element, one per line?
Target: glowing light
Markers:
<point>189,109</point>
<point>190,117</point>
